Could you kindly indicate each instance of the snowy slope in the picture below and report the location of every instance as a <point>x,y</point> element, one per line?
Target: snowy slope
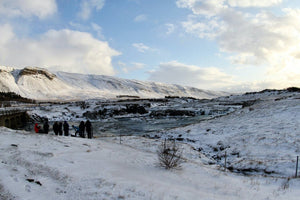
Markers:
<point>50,167</point>
<point>37,83</point>
<point>7,81</point>
<point>261,139</point>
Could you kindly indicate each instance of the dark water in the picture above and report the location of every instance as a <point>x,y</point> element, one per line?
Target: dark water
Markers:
<point>140,125</point>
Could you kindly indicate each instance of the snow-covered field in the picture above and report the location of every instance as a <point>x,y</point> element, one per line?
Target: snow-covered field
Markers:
<point>261,142</point>
<point>50,167</point>
<point>261,139</point>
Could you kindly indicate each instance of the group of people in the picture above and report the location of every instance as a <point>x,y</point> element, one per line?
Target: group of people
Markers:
<point>87,126</point>
<point>39,129</point>
<point>60,128</point>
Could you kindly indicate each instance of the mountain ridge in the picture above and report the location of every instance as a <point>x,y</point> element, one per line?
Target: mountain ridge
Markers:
<point>41,84</point>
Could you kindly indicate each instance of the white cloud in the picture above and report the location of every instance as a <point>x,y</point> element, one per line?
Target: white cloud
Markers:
<point>285,77</point>
<point>263,39</point>
<point>64,50</point>
<point>190,75</point>
<point>203,7</point>
<point>87,7</point>
<point>170,28</point>
<point>213,79</point>
<point>253,3</point>
<point>140,18</point>
<point>98,30</point>
<point>141,47</point>
<point>7,34</point>
<point>207,29</point>
<point>27,8</point>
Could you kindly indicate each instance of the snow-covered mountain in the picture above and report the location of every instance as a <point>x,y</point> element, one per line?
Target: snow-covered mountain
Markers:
<point>40,84</point>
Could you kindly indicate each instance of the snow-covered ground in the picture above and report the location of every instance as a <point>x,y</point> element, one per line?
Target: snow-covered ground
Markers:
<point>51,167</point>
<point>261,141</point>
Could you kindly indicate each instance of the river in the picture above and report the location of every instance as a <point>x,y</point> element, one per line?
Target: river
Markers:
<point>132,125</point>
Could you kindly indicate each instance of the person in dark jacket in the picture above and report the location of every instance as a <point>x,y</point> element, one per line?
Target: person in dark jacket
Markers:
<point>88,128</point>
<point>81,129</point>
<point>55,128</point>
<point>60,128</point>
<point>66,128</point>
<point>46,127</point>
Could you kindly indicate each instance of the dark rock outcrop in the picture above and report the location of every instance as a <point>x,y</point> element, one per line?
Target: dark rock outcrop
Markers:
<point>34,71</point>
<point>169,112</point>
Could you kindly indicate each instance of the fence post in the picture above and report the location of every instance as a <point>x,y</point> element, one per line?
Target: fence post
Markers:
<point>296,174</point>
<point>225,161</point>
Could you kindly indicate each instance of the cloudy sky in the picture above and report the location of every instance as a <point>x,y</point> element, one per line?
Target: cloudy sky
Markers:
<point>231,45</point>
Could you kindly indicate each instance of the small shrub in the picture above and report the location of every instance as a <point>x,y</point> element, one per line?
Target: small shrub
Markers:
<point>169,155</point>
<point>286,183</point>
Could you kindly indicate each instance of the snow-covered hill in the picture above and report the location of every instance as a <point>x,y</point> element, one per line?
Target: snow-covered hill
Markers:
<point>262,138</point>
<point>40,84</point>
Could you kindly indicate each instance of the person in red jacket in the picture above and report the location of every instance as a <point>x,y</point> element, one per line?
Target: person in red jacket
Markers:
<point>37,128</point>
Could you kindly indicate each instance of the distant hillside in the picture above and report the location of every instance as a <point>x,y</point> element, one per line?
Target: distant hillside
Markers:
<point>40,84</point>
